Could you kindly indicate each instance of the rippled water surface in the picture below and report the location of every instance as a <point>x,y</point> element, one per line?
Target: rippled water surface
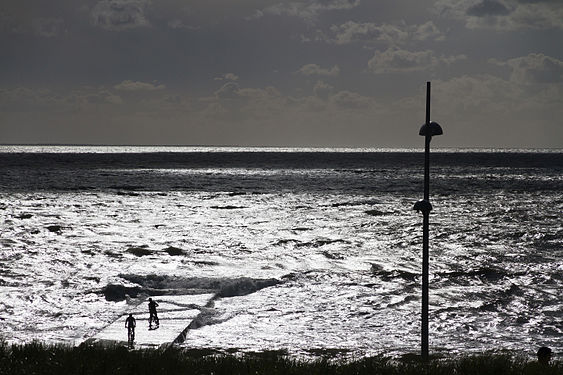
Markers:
<point>305,249</point>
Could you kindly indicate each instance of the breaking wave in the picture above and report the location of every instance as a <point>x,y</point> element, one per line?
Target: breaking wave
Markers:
<point>152,284</point>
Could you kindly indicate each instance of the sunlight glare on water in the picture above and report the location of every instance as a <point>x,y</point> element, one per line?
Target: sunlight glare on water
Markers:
<point>304,251</point>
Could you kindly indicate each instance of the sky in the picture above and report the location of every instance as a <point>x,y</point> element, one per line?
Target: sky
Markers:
<point>305,73</point>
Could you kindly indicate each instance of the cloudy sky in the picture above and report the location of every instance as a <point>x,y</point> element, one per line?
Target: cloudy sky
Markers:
<point>281,73</point>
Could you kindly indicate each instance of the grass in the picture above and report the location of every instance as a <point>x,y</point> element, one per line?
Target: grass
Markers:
<point>38,358</point>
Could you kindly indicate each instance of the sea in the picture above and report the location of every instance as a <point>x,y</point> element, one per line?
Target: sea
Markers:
<point>307,251</point>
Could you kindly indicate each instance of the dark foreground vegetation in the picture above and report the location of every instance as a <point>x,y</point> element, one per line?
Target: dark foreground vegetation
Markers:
<point>37,358</point>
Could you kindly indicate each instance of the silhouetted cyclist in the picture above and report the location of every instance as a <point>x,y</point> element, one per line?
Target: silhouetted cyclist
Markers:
<point>130,324</point>
<point>153,317</point>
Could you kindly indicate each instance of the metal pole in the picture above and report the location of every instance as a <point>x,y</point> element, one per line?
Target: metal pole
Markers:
<point>426,215</point>
<point>427,139</point>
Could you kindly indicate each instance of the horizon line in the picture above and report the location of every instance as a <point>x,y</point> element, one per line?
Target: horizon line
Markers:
<point>271,146</point>
<point>297,148</point>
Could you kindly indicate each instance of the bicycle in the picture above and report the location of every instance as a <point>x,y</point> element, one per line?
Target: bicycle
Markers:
<point>130,336</point>
<point>153,318</point>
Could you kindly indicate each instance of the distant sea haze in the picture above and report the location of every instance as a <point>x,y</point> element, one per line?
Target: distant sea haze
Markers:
<point>305,249</point>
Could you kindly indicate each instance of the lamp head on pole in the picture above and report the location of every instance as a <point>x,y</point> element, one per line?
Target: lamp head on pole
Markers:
<point>431,129</point>
<point>423,206</point>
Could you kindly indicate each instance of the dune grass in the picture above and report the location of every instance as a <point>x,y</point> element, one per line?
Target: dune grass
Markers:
<point>38,358</point>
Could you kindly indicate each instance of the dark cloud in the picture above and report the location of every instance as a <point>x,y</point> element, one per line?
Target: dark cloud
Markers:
<point>427,31</point>
<point>395,60</point>
<point>314,69</point>
<point>370,34</point>
<point>506,15</point>
<point>538,1</point>
<point>128,85</point>
<point>534,68</point>
<point>488,8</point>
<point>117,15</point>
<point>307,9</point>
<point>351,31</point>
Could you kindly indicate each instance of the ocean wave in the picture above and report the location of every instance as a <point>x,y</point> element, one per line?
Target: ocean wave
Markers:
<point>489,274</point>
<point>153,284</point>
<point>389,275</point>
<point>117,292</point>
